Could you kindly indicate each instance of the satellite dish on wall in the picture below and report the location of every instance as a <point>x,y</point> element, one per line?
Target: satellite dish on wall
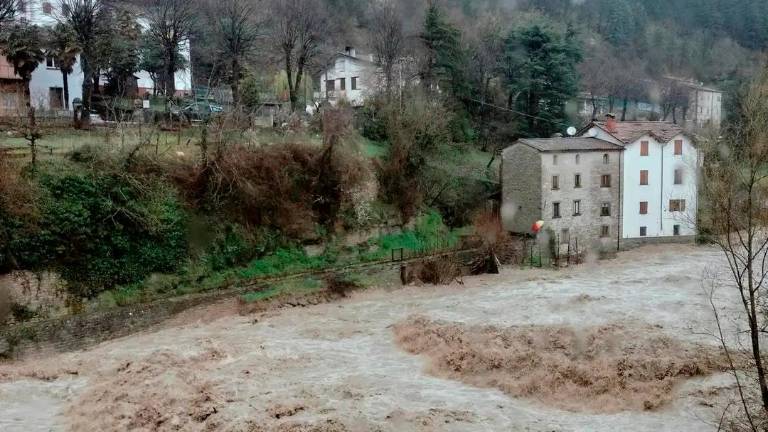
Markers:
<point>571,131</point>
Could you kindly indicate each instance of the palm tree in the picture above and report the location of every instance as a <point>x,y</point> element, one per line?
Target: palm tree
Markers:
<point>63,47</point>
<point>23,47</point>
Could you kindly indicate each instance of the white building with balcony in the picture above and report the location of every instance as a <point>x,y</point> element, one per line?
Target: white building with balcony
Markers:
<point>349,77</point>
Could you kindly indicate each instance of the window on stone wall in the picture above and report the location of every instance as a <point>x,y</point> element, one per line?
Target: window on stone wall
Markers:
<point>606,158</point>
<point>342,84</point>
<point>605,180</point>
<point>605,231</point>
<point>554,159</point>
<point>555,182</point>
<point>605,209</point>
<point>578,159</point>
<point>354,83</point>
<point>565,237</point>
<point>556,210</point>
<point>577,181</point>
<point>577,207</point>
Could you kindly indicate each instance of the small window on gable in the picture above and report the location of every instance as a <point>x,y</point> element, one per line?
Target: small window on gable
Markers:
<point>554,159</point>
<point>643,148</point>
<point>578,158</point>
<point>606,158</point>
<point>678,147</point>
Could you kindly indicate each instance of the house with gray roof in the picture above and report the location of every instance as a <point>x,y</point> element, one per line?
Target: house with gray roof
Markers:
<point>572,184</point>
<point>615,185</point>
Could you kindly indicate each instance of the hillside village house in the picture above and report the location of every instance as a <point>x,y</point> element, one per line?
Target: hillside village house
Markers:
<point>353,77</point>
<point>46,87</point>
<point>648,183</point>
<point>348,77</point>
<point>705,106</point>
<point>570,183</point>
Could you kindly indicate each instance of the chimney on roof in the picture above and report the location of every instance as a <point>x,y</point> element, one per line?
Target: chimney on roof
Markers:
<point>350,51</point>
<point>610,122</point>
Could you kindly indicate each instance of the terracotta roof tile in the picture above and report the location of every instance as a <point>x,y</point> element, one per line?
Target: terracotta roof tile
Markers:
<point>630,131</point>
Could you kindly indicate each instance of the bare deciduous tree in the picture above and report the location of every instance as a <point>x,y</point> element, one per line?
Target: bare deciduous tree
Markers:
<point>735,192</point>
<point>237,32</point>
<point>171,23</point>
<point>300,28</point>
<point>387,39</point>
<point>85,18</point>
<point>8,10</point>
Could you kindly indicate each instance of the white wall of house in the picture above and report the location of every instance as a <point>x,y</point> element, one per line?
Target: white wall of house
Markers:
<point>661,164</point>
<point>344,70</point>
<point>44,79</point>
<point>707,107</point>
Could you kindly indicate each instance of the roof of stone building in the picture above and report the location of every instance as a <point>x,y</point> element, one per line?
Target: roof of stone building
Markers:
<point>629,131</point>
<point>569,144</point>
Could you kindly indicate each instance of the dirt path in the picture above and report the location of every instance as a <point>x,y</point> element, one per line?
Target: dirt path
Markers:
<point>337,367</point>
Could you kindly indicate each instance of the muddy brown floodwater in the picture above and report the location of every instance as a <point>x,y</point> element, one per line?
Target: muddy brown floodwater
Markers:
<point>527,350</point>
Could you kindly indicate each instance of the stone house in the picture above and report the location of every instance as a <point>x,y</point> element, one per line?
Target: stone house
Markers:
<point>572,184</point>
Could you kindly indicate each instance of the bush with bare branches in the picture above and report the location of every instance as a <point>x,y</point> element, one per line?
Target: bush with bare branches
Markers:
<point>294,188</point>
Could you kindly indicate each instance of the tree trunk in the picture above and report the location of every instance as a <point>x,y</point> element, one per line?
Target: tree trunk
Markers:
<point>170,72</point>
<point>65,85</point>
<point>289,73</point>
<point>235,84</point>
<point>31,124</point>
<point>624,110</point>
<point>85,113</point>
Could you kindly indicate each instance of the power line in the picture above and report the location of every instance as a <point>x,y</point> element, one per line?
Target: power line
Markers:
<point>520,113</point>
